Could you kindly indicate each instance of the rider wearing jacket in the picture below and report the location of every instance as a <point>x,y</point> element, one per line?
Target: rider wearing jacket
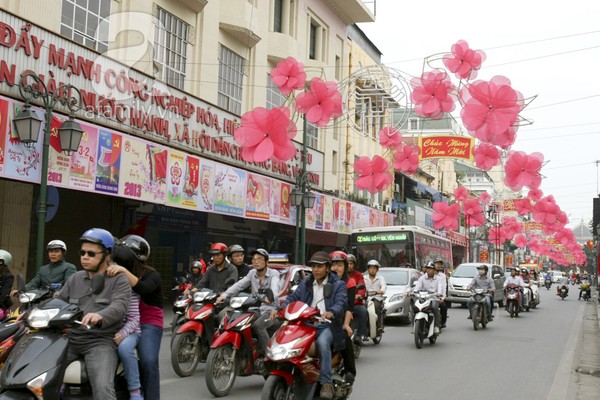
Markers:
<point>515,279</point>
<point>360,313</point>
<point>482,281</point>
<point>431,283</point>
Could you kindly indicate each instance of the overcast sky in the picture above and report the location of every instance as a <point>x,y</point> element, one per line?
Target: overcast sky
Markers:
<point>546,48</point>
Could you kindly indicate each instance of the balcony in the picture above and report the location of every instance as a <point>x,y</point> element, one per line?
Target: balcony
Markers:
<point>351,11</point>
<point>282,46</point>
<point>236,19</point>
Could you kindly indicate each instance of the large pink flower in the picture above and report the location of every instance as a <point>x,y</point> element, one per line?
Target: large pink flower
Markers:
<point>486,156</point>
<point>545,211</point>
<point>445,216</point>
<point>406,159</point>
<point>505,139</point>
<point>432,94</point>
<point>496,236</point>
<point>289,75</point>
<point>490,108</point>
<point>535,194</point>
<point>485,198</point>
<point>390,138</point>
<point>374,175</point>
<point>266,134</point>
<point>521,241</point>
<point>473,211</point>
<point>463,61</point>
<point>523,206</point>
<point>322,103</point>
<point>511,227</point>
<point>523,170</point>
<point>461,193</point>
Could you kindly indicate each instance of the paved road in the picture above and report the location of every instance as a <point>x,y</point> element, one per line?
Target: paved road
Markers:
<point>524,358</point>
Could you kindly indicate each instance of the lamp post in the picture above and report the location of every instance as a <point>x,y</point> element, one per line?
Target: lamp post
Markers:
<point>302,198</point>
<point>27,126</point>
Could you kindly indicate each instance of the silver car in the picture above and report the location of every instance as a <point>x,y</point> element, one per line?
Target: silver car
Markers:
<point>462,277</point>
<point>399,283</point>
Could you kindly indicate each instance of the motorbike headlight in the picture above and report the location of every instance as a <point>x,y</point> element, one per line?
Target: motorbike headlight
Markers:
<point>26,297</point>
<point>36,386</point>
<point>40,318</point>
<point>181,303</point>
<point>277,352</point>
<point>200,296</point>
<point>236,302</point>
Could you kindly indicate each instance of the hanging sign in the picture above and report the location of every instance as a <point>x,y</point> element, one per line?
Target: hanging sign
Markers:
<point>446,146</point>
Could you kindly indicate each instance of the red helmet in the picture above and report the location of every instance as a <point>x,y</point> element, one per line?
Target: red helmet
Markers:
<point>338,256</point>
<point>217,248</point>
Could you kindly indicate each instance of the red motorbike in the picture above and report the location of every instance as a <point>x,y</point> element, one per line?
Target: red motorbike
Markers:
<point>192,339</point>
<point>180,304</point>
<point>513,300</point>
<point>292,359</point>
<point>234,349</point>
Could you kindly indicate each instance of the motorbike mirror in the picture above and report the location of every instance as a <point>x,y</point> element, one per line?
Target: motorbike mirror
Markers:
<point>97,283</point>
<point>20,283</point>
<point>327,290</point>
<point>414,284</point>
<point>496,276</point>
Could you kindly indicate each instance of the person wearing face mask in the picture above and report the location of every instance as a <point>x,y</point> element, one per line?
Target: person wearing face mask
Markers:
<point>482,281</point>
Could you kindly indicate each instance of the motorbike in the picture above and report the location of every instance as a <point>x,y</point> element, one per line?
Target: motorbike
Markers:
<point>292,361</point>
<point>375,324</point>
<point>548,283</point>
<point>479,312</point>
<point>424,318</point>
<point>563,292</point>
<point>513,300</point>
<point>180,304</point>
<point>192,339</point>
<point>233,351</point>
<point>531,299</point>
<point>37,367</point>
<point>585,291</point>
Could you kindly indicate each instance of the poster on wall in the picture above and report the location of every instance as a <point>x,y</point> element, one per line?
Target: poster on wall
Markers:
<point>327,213</point>
<point>318,209</point>
<point>258,189</point>
<point>83,161</point>
<point>229,190</point>
<point>175,178</point>
<point>143,171</point>
<point>3,131</point>
<point>275,201</point>
<point>59,164</point>
<point>109,161</point>
<point>191,182</point>
<point>207,169</point>
<point>360,215</point>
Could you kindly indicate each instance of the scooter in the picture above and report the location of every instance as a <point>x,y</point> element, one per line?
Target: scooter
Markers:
<point>479,312</point>
<point>548,283</point>
<point>563,292</point>
<point>376,327</point>
<point>233,351</point>
<point>424,318</point>
<point>292,361</point>
<point>180,304</point>
<point>513,300</point>
<point>37,366</point>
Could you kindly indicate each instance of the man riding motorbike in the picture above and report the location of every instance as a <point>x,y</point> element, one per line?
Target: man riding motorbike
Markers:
<point>439,269</point>
<point>431,283</point>
<point>564,282</point>
<point>360,313</point>
<point>236,254</point>
<point>374,282</point>
<point>482,281</point>
<point>515,279</point>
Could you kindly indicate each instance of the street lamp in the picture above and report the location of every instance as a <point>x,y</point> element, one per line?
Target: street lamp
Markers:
<point>28,125</point>
<point>302,198</point>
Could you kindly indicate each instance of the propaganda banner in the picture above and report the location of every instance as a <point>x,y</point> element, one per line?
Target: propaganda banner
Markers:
<point>108,162</point>
<point>257,196</point>
<point>446,146</point>
<point>83,161</point>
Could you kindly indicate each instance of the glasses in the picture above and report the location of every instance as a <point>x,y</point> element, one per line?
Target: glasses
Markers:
<point>90,253</point>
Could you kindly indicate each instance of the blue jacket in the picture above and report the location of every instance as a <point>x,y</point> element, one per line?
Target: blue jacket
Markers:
<point>336,303</point>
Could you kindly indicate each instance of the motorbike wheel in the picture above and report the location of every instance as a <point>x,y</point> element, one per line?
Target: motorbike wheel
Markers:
<point>511,309</point>
<point>475,316</point>
<point>275,388</point>
<point>411,315</point>
<point>221,370</point>
<point>377,339</point>
<point>419,335</point>
<point>432,339</point>
<point>185,353</point>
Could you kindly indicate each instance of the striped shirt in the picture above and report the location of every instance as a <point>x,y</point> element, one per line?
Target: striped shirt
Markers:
<point>132,320</point>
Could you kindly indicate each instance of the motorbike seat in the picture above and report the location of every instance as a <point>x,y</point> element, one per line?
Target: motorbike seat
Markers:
<point>76,373</point>
<point>8,329</point>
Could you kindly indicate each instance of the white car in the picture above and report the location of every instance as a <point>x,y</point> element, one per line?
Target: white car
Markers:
<point>399,283</point>
<point>557,276</point>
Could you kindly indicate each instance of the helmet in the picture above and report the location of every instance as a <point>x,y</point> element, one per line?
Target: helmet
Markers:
<point>430,265</point>
<point>235,248</point>
<point>439,260</point>
<point>99,236</point>
<point>197,264</point>
<point>483,267</point>
<point>338,256</point>
<point>138,245</point>
<point>320,257</point>
<point>217,248</point>
<point>351,257</point>
<point>373,263</point>
<point>262,252</point>
<point>6,257</point>
<point>524,270</point>
<point>56,244</point>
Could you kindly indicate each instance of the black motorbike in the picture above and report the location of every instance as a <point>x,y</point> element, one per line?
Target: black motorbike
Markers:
<point>548,283</point>
<point>479,312</point>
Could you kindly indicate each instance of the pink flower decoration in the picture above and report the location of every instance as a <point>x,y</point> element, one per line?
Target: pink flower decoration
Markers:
<point>485,198</point>
<point>406,159</point>
<point>390,138</point>
<point>490,108</point>
<point>463,61</point>
<point>374,175</point>
<point>521,241</point>
<point>523,170</point>
<point>545,211</point>
<point>473,212</point>
<point>535,194</point>
<point>505,139</point>
<point>266,134</point>
<point>486,156</point>
<point>322,103</point>
<point>511,227</point>
<point>461,193</point>
<point>431,94</point>
<point>564,236</point>
<point>496,236</point>
<point>288,75</point>
<point>534,245</point>
<point>445,216</point>
<point>523,206</point>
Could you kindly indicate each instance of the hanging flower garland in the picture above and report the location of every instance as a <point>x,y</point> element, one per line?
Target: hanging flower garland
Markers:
<point>373,175</point>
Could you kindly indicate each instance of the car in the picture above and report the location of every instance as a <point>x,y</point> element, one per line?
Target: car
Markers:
<point>463,275</point>
<point>557,276</point>
<point>399,283</point>
<point>290,275</point>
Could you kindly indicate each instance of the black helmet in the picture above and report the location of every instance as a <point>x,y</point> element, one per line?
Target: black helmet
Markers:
<point>262,252</point>
<point>351,257</point>
<point>123,255</point>
<point>235,248</point>
<point>430,265</point>
<point>138,245</point>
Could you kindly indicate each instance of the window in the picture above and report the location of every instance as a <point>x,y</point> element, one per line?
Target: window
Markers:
<point>316,40</point>
<point>312,135</point>
<point>334,162</point>
<point>170,42</point>
<point>274,96</point>
<point>338,67</point>
<point>86,22</point>
<point>231,77</point>
<point>278,16</point>
<point>414,123</point>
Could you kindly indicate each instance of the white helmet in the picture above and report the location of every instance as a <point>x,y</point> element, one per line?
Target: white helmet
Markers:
<point>6,257</point>
<point>56,244</point>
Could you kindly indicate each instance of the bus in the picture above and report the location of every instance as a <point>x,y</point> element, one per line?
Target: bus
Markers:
<point>399,246</point>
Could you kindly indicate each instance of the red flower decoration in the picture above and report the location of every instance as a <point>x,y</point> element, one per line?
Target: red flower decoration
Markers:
<point>535,194</point>
<point>473,212</point>
<point>322,103</point>
<point>485,198</point>
<point>461,193</point>
<point>523,170</point>
<point>374,176</point>
<point>511,227</point>
<point>406,159</point>
<point>490,108</point>
<point>545,211</point>
<point>445,216</point>
<point>521,241</point>
<point>496,235</point>
<point>431,94</point>
<point>288,75</point>
<point>463,61</point>
<point>486,156</point>
<point>523,206</point>
<point>505,139</point>
<point>266,134</point>
<point>390,138</point>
